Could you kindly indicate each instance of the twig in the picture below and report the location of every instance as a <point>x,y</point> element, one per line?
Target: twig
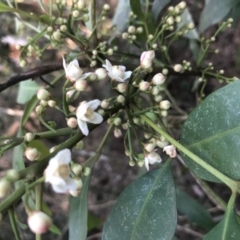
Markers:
<point>189,231</point>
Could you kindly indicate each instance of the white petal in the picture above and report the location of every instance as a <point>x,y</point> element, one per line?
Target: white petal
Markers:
<point>60,188</point>
<point>127,75</point>
<point>118,79</point>
<point>64,64</point>
<point>81,110</point>
<point>85,75</point>
<point>146,163</point>
<point>108,66</point>
<point>83,127</point>
<point>94,104</point>
<point>97,118</point>
<point>63,156</point>
<point>71,185</point>
<point>74,62</point>
<point>123,68</point>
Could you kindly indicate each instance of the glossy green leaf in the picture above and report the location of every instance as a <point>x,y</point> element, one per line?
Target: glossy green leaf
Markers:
<point>78,214</point>
<point>228,228</point>
<point>212,131</point>
<point>30,106</point>
<point>121,15</point>
<point>195,48</point>
<point>27,89</point>
<point>55,229</point>
<point>157,7</point>
<point>186,19</point>
<point>146,209</point>
<point>214,11</point>
<point>194,212</point>
<point>93,221</point>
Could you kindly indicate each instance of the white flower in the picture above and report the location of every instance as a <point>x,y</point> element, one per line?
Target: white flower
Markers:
<point>151,158</point>
<point>58,172</point>
<point>170,150</point>
<point>73,71</point>
<point>117,72</point>
<point>85,113</point>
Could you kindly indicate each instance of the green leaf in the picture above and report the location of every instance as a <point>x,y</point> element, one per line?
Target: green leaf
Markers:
<point>157,7</point>
<point>78,214</point>
<point>55,229</point>
<point>186,19</point>
<point>195,48</point>
<point>212,132</point>
<point>227,228</point>
<point>121,15</point>
<point>146,209</point>
<point>28,110</point>
<point>136,8</point>
<point>27,89</point>
<point>194,211</point>
<point>214,11</point>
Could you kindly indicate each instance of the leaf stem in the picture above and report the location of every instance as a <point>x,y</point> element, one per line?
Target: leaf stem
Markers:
<point>14,224</point>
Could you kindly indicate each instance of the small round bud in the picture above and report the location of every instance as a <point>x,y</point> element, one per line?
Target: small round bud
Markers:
<point>115,48</point>
<point>106,7</point>
<point>81,85</point>
<point>105,103</point>
<point>230,20</point>
<point>50,29</point>
<point>85,18</point>
<point>29,137</point>
<point>12,175</point>
<point>136,120</point>
<point>117,121</point>
<point>155,91</point>
<point>81,5</point>
<point>162,144</point>
<point>177,68</point>
<point>221,71</point>
<point>110,52</point>
<point>125,126</point>
<point>131,29</point>
<point>43,94</point>
<point>150,37</point>
<point>154,46</point>
<point>158,98</point>
<point>32,154</point>
<point>133,37</point>
<point>23,63</point>
<point>39,222</point>
<point>140,163</point>
<point>171,8</point>
<point>190,26</point>
<point>139,30</point>
<point>216,51</point>
<point>75,13</point>
<point>79,185</point>
<point>170,20</point>
<point>39,109</point>
<point>165,71</point>
<point>57,35</point>
<point>120,99</point>
<point>5,187</point>
<point>43,103</point>
<point>72,122</point>
<point>117,133</point>
<point>149,147</point>
<point>131,163</point>
<point>176,10</point>
<point>86,171</point>
<point>182,5</point>
<point>158,79</point>
<point>51,103</point>
<point>121,87</point>
<point>178,19</point>
<point>94,52</point>
<point>124,35</point>
<point>77,169</point>
<point>53,149</point>
<point>101,74</point>
<point>165,105</point>
<point>93,63</point>
<point>101,112</point>
<point>164,113</point>
<point>63,28</point>
<point>143,85</point>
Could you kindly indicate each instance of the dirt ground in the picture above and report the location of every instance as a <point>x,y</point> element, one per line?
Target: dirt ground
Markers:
<point>112,172</point>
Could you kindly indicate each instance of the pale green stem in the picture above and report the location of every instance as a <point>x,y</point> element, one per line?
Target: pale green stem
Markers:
<point>14,224</point>
<point>38,202</point>
<point>228,181</point>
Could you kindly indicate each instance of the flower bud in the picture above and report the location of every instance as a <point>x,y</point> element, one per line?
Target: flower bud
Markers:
<point>106,7</point>
<point>165,105</point>
<point>85,18</point>
<point>143,85</point>
<point>43,94</point>
<point>131,163</point>
<point>117,133</point>
<point>120,99</point>
<point>57,35</point>
<point>190,26</point>
<point>105,104</point>
<point>158,98</point>
<point>81,85</point>
<point>51,103</point>
<point>155,91</point>
<point>81,5</point>
<point>39,222</point>
<point>75,13</point>
<point>72,122</point>
<point>117,121</point>
<point>29,137</point>
<point>70,93</point>
<point>162,144</point>
<point>101,74</point>
<point>101,112</point>
<point>182,5</point>
<point>139,30</point>
<point>177,68</point>
<point>124,35</point>
<point>164,113</point>
<point>86,171</point>
<point>32,154</point>
<point>23,63</point>
<point>49,29</point>
<point>171,151</point>
<point>170,20</point>
<point>165,71</point>
<point>149,147</point>
<point>43,103</point>
<point>158,79</point>
<point>140,163</point>
<point>131,29</point>
<point>125,126</point>
<point>13,175</point>
<point>146,59</point>
<point>5,187</point>
<point>77,169</point>
<point>136,120</point>
<point>110,52</point>
<point>121,87</point>
<point>79,185</point>
<point>53,149</point>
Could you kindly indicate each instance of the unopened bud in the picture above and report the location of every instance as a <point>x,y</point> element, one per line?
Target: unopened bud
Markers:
<point>12,175</point>
<point>51,103</point>
<point>158,79</point>
<point>177,68</point>
<point>105,104</point>
<point>121,87</point>
<point>32,154</point>
<point>86,171</point>
<point>131,29</point>
<point>125,35</point>
<point>5,187</point>
<point>29,137</point>
<point>165,105</point>
<point>117,121</point>
<point>79,185</point>
<point>143,85</point>
<point>101,73</point>
<point>106,7</point>
<point>81,85</point>
<point>117,133</point>
<point>120,99</point>
<point>77,169</point>
<point>81,5</point>
<point>149,147</point>
<point>72,122</point>
<point>43,94</point>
